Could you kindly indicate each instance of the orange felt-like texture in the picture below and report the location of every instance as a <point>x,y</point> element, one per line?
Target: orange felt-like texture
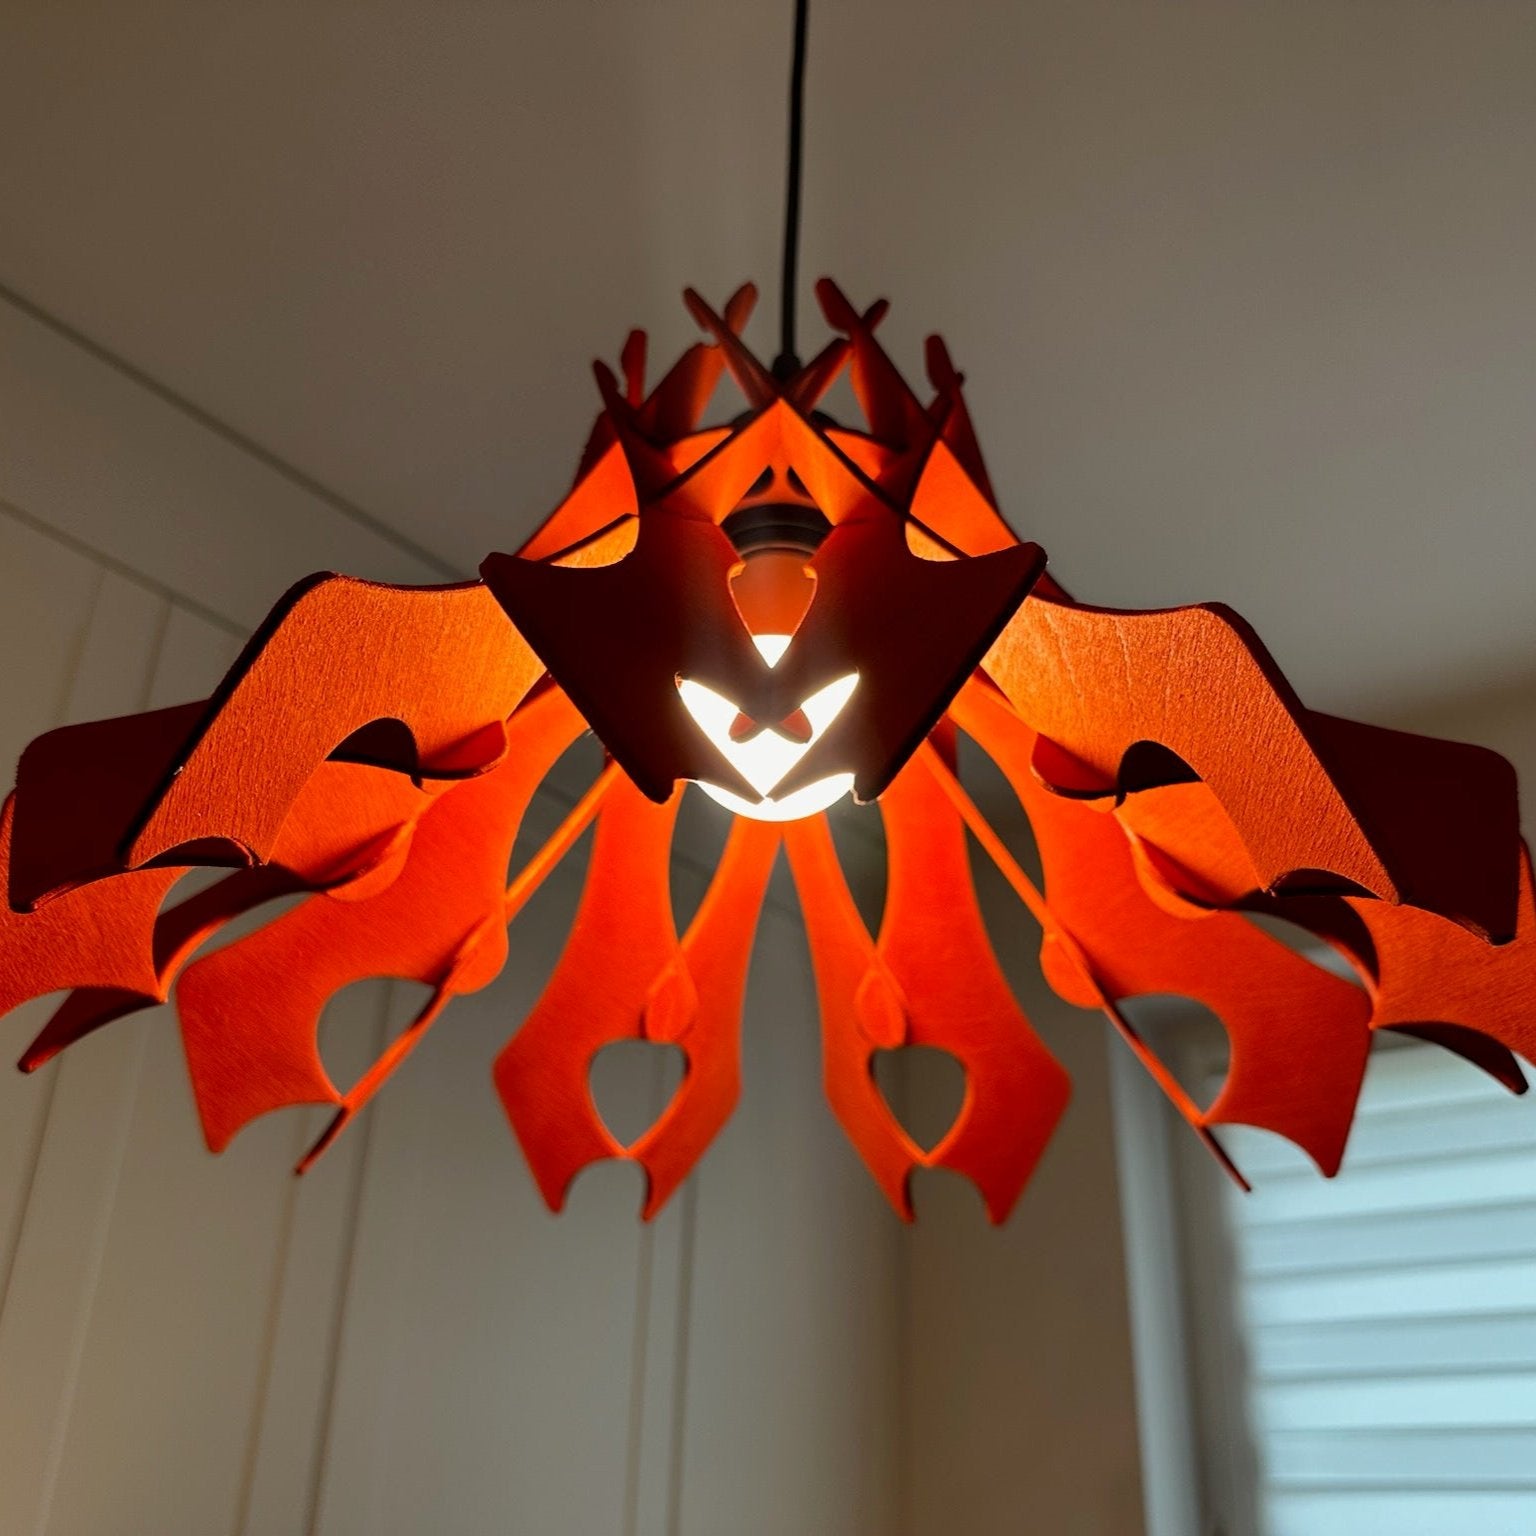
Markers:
<point>1426,972</point>
<point>374,749</point>
<point>931,979</point>
<point>1188,818</point>
<point>349,828</point>
<point>249,1012</point>
<point>622,942</point>
<point>1298,1035</point>
<point>94,936</point>
<point>624,975</point>
<point>1123,701</point>
<point>1433,978</point>
<point>716,954</point>
<point>674,587</point>
<point>78,789</point>
<point>335,658</point>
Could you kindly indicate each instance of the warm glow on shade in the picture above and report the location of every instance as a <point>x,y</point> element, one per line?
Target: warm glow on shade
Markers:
<point>765,758</point>
<point>400,838</point>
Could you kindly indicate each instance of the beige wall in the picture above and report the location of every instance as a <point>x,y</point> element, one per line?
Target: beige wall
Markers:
<point>1020,1405</point>
<point>1019,1401</point>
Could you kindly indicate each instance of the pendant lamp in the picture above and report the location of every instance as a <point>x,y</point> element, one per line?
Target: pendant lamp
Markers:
<point>782,610</point>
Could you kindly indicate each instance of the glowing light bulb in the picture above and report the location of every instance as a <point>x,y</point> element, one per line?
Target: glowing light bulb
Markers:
<point>764,759</point>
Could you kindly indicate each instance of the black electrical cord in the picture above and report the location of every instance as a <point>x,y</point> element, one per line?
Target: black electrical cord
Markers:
<point>788,362</point>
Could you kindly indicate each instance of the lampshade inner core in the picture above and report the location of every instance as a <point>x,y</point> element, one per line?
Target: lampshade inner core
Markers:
<point>765,757</point>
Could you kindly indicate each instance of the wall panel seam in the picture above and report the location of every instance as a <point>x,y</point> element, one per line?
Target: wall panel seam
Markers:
<point>205,419</point>
<point>688,1247</point>
<point>110,563</point>
<point>343,1297</point>
<point>270,1329</point>
<point>28,1174</point>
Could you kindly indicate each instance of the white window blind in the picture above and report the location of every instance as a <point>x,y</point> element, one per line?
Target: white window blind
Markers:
<point>1376,1367</point>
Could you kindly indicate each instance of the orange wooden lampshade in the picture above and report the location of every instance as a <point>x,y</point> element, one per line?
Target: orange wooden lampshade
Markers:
<point>784,610</point>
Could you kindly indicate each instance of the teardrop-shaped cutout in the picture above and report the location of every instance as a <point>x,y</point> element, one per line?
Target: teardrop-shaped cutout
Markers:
<point>924,1088</point>
<point>632,1082</point>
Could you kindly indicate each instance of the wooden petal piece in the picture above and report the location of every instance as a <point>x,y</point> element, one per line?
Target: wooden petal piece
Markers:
<point>1428,973</point>
<point>336,656</point>
<point>249,1012</point>
<point>932,980</point>
<point>1321,805</point>
<point>624,976</point>
<point>716,954</point>
<point>912,629</point>
<point>78,791</point>
<point>96,936</point>
<point>350,827</point>
<point>1298,1035</point>
<point>617,638</point>
<point>1449,986</point>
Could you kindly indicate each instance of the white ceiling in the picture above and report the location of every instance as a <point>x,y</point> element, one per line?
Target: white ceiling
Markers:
<point>1246,294</point>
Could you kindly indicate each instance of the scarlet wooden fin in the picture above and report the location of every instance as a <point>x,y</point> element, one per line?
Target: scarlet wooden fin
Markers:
<point>754,380</point>
<point>662,612</point>
<point>249,1012</point>
<point>942,373</point>
<point>1406,818</point>
<point>935,945</point>
<point>1442,814</point>
<point>348,830</point>
<point>1100,684</point>
<point>947,502</point>
<point>842,955</point>
<point>715,483</point>
<point>716,952</point>
<point>1432,975</point>
<point>1298,1034</point>
<point>337,655</point>
<point>895,415</point>
<point>808,386</point>
<point>816,377</point>
<point>839,485</point>
<point>632,361</point>
<point>96,936</point>
<point>868,587</point>
<point>677,404</point>
<point>79,790</point>
<point>650,468</point>
<point>739,307</point>
<point>1183,834</point>
<point>602,498</point>
<point>621,941</point>
<point>477,955</point>
<point>176,934</point>
<point>954,418</point>
<point>1458,1003</point>
<point>903,992</point>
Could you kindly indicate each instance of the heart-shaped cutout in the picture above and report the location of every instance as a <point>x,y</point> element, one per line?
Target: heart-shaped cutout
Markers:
<point>924,1087</point>
<point>632,1082</point>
